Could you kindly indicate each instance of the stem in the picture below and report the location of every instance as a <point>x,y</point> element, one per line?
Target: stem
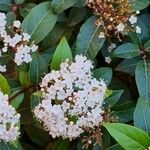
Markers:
<point>143,53</point>
<point>22,91</point>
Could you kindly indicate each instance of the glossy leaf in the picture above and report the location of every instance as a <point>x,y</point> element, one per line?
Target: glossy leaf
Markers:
<point>141,115</point>
<point>129,137</point>
<point>104,73</point>
<point>62,53</point>
<point>4,86</point>
<point>59,6</point>
<point>39,22</point>
<point>127,50</point>
<point>142,75</point>
<point>38,67</point>
<point>88,41</point>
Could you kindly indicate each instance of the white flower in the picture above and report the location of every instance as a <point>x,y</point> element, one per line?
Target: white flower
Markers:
<point>2,68</point>
<point>102,35</point>
<point>9,119</point>
<point>111,47</point>
<point>79,99</point>
<point>133,19</point>
<point>120,27</point>
<point>137,12</point>
<point>17,24</point>
<point>26,37</point>
<point>108,60</point>
<point>138,30</point>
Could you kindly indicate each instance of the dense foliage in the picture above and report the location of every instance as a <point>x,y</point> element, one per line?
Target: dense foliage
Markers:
<point>75,74</point>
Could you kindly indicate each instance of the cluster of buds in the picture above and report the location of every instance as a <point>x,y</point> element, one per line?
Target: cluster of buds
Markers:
<point>115,16</point>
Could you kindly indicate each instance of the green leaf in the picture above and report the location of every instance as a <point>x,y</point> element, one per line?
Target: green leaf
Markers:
<point>35,100</point>
<point>10,17</point>
<point>141,115</point>
<point>139,4</point>
<point>129,137</point>
<point>5,5</point>
<point>76,15</point>
<point>16,102</point>
<point>4,86</point>
<point>104,73</point>
<point>7,146</point>
<point>61,145</point>
<point>26,9</point>
<point>135,38</point>
<point>36,135</point>
<point>147,46</point>
<point>142,75</point>
<point>38,67</point>
<point>115,147</point>
<point>19,1</point>
<point>128,65</point>
<point>88,41</point>
<point>59,6</point>
<point>127,50</point>
<point>124,112</point>
<point>113,98</point>
<point>39,22</point>
<point>62,53</point>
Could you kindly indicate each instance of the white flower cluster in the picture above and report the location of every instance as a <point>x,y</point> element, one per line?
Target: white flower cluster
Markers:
<point>72,99</point>
<point>19,42</point>
<point>9,119</point>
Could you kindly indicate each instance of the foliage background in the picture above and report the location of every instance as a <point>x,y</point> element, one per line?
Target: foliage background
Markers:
<point>128,75</point>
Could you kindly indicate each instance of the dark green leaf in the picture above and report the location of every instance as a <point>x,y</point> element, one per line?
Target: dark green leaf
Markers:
<point>141,115</point>
<point>39,22</point>
<point>88,41</point>
<point>138,4</point>
<point>59,6</point>
<point>38,67</point>
<point>127,50</point>
<point>5,5</point>
<point>26,9</point>
<point>104,73</point>
<point>128,65</point>
<point>16,102</point>
<point>142,75</point>
<point>113,98</point>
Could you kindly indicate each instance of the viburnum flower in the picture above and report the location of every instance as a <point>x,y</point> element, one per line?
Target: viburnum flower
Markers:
<point>115,16</point>
<point>18,42</point>
<point>72,99</point>
<point>9,119</point>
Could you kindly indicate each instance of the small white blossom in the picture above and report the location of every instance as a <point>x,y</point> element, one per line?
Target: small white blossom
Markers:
<point>9,119</point>
<point>133,19</point>
<point>111,47</point>
<point>2,68</point>
<point>108,60</point>
<point>137,12</point>
<point>26,37</point>
<point>138,30</point>
<point>102,35</point>
<point>120,27</point>
<point>17,24</point>
<point>79,99</point>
